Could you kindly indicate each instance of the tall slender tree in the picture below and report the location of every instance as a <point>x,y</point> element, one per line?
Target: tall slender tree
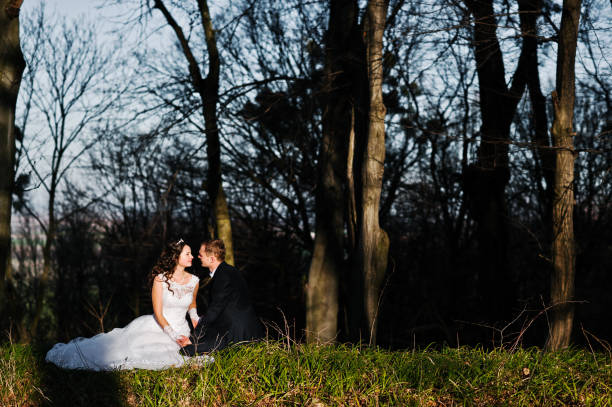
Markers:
<point>341,65</point>
<point>12,65</point>
<point>563,245</point>
<point>372,240</point>
<point>530,11</point>
<point>485,180</point>
<point>351,165</point>
<point>207,88</point>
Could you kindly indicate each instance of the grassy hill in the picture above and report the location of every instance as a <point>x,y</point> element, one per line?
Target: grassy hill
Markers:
<point>286,374</point>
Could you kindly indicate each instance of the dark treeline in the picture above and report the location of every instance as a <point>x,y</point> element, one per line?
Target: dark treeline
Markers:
<point>257,123</point>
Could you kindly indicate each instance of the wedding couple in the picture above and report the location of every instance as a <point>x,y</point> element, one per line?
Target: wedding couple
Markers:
<point>164,339</point>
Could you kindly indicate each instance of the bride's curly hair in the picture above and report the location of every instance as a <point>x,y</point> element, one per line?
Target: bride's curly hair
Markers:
<point>167,261</point>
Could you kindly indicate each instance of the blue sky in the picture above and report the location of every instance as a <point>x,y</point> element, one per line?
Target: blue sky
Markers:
<point>65,7</point>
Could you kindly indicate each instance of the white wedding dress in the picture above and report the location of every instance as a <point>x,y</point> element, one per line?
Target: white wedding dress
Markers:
<point>141,344</point>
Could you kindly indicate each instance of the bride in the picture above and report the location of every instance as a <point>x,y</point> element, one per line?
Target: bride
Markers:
<point>149,341</point>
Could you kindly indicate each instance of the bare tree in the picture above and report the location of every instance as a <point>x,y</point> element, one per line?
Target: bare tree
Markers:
<point>530,12</point>
<point>342,63</point>
<point>351,166</point>
<point>372,240</point>
<point>67,96</point>
<point>207,87</point>
<point>563,245</point>
<point>11,68</point>
<point>486,179</point>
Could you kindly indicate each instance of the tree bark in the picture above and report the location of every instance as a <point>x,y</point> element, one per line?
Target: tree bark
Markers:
<point>208,89</point>
<point>43,281</point>
<point>12,65</point>
<point>563,246</point>
<point>328,254</point>
<point>530,11</point>
<point>373,242</point>
<point>485,181</point>
<point>210,99</point>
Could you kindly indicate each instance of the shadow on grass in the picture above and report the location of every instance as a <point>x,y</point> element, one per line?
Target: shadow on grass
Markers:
<point>78,387</point>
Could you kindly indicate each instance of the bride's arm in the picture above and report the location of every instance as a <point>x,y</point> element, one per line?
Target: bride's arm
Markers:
<point>156,298</point>
<point>193,307</point>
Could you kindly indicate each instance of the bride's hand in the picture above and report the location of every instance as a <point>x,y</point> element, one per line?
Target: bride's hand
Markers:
<point>194,322</point>
<point>183,341</point>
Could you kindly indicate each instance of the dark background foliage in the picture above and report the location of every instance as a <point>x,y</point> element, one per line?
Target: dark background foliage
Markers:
<point>139,189</point>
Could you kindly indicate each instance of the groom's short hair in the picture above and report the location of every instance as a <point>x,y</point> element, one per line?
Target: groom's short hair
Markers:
<point>215,247</point>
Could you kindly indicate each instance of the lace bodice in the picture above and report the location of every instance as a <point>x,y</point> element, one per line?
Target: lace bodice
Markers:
<point>176,302</point>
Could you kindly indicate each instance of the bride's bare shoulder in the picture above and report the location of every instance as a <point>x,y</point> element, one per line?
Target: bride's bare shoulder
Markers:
<point>193,277</point>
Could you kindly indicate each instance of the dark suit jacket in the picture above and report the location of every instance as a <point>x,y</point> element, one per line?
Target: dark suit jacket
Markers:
<point>230,317</point>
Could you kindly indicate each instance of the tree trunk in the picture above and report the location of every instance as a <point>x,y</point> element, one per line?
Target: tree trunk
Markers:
<point>210,98</point>
<point>43,280</point>
<point>12,65</point>
<point>530,10</point>
<point>485,181</point>
<point>563,246</point>
<point>223,223</point>
<point>208,89</point>
<point>328,254</point>
<point>373,242</point>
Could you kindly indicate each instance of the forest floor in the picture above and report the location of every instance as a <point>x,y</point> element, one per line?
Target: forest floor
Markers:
<point>288,374</point>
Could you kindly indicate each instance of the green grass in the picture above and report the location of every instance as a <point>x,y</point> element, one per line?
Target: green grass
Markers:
<point>271,374</point>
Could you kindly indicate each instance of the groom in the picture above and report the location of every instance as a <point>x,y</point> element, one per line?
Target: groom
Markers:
<point>230,317</point>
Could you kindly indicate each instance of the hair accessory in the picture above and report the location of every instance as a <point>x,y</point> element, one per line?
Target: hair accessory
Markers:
<point>178,242</point>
